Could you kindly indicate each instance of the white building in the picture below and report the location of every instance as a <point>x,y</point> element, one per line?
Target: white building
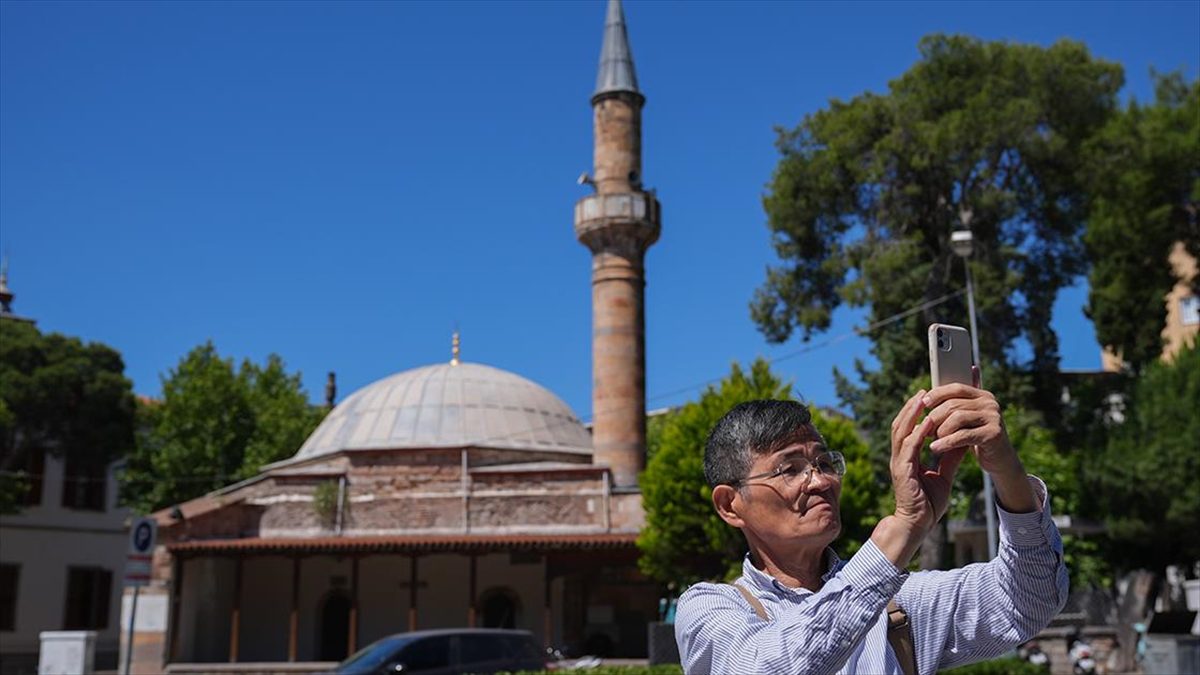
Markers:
<point>62,556</point>
<point>61,563</point>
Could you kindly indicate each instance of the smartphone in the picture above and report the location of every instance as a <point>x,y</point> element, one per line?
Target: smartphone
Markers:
<point>949,354</point>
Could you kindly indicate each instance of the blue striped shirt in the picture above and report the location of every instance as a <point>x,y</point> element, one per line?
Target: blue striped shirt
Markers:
<point>959,616</point>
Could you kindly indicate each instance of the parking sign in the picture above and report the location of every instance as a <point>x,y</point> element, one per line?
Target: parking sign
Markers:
<point>141,551</point>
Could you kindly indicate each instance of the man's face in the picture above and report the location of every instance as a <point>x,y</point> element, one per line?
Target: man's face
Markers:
<point>782,516</point>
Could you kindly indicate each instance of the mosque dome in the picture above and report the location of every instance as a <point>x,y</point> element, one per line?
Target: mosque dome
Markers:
<point>450,405</point>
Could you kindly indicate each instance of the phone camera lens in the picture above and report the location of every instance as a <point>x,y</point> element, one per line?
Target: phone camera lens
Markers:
<point>940,335</point>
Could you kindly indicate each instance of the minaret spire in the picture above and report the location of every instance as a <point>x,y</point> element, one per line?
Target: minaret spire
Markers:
<point>618,224</point>
<point>616,58</point>
<point>455,347</point>
<point>6,296</point>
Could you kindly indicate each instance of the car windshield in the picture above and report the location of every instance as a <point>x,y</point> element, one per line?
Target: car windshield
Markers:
<point>374,655</point>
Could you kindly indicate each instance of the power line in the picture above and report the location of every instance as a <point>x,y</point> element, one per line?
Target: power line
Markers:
<point>865,330</point>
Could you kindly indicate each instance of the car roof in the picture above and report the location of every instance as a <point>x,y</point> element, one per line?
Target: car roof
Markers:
<point>416,634</point>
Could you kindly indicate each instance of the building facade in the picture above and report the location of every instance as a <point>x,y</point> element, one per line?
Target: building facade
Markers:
<point>444,496</point>
<point>61,562</point>
<point>1183,310</point>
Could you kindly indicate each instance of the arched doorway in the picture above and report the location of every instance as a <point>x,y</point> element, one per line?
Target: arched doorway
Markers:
<point>501,608</point>
<point>334,639</point>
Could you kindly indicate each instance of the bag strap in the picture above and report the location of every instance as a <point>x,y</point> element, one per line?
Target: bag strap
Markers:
<point>901,638</point>
<point>899,629</point>
<point>754,602</point>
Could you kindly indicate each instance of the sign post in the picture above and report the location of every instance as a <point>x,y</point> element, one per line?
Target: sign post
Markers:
<point>137,571</point>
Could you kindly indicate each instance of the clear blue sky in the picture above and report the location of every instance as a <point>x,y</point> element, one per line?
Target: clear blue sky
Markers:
<point>343,183</point>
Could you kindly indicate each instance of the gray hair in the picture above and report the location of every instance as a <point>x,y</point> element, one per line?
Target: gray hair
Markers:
<point>751,429</point>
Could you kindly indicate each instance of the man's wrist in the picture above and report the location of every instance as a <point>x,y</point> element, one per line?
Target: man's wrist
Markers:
<point>1010,470</point>
<point>898,538</point>
<point>1013,491</point>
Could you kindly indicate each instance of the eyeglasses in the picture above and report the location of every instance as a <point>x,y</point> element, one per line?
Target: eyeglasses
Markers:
<point>797,471</point>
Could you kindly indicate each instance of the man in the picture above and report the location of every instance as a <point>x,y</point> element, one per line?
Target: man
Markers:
<point>773,478</point>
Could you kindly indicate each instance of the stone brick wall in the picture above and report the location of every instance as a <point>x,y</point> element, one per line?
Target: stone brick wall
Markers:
<point>627,513</point>
<point>413,492</point>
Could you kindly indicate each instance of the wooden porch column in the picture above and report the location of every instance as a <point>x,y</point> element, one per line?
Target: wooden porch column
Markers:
<point>352,639</point>
<point>547,618</point>
<point>294,618</point>
<point>172,654</point>
<point>412,592</point>
<point>235,614</point>
<point>471,592</point>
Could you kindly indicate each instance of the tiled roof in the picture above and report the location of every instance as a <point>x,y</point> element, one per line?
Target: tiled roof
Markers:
<point>408,544</point>
<point>540,467</point>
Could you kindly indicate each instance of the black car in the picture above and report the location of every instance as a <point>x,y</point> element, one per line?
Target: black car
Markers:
<point>443,652</point>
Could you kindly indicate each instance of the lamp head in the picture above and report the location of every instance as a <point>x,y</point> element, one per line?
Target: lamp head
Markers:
<point>962,243</point>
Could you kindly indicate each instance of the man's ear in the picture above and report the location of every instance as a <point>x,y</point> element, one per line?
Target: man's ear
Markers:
<point>728,500</point>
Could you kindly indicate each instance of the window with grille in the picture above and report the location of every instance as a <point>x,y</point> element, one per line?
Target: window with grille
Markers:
<point>83,485</point>
<point>1189,310</point>
<point>88,591</point>
<point>10,574</point>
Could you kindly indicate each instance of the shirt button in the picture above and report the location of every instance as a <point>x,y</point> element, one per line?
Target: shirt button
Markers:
<point>1021,530</point>
<point>845,643</point>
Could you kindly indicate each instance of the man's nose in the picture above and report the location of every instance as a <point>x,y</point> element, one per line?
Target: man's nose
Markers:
<point>818,481</point>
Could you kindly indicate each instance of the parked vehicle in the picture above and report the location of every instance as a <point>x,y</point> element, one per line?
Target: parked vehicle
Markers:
<point>1082,661</point>
<point>445,652</point>
<point>1031,652</point>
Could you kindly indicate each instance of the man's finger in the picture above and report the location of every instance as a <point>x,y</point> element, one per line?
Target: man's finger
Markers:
<point>939,395</point>
<point>910,449</point>
<point>958,420</point>
<point>948,466</point>
<point>963,438</point>
<point>907,418</point>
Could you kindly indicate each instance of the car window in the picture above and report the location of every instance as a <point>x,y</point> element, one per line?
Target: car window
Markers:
<point>427,654</point>
<point>373,655</point>
<point>522,647</point>
<point>482,649</point>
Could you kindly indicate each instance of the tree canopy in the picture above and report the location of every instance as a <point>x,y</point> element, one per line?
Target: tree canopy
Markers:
<point>215,425</point>
<point>982,135</point>
<point>1143,482</point>
<point>62,396</point>
<point>1145,171</point>
<point>684,540</point>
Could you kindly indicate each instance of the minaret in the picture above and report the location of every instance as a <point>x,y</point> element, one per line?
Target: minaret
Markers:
<point>6,296</point>
<point>618,223</point>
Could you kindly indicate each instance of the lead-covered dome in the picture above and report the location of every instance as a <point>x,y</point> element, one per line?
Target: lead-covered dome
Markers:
<point>450,405</point>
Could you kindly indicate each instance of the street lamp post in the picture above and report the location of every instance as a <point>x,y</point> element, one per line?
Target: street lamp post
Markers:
<point>962,242</point>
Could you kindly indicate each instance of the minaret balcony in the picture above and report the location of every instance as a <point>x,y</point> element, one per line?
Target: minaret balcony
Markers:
<point>601,218</point>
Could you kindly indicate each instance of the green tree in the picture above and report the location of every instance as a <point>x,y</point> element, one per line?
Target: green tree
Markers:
<point>215,425</point>
<point>989,136</point>
<point>1060,469</point>
<point>62,396</point>
<point>862,203</point>
<point>1143,483</point>
<point>1145,170</point>
<point>684,540</point>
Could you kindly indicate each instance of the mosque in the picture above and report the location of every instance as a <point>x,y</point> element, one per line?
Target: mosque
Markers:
<point>450,495</point>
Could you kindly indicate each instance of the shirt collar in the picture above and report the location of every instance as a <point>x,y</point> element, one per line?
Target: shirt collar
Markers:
<point>766,582</point>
